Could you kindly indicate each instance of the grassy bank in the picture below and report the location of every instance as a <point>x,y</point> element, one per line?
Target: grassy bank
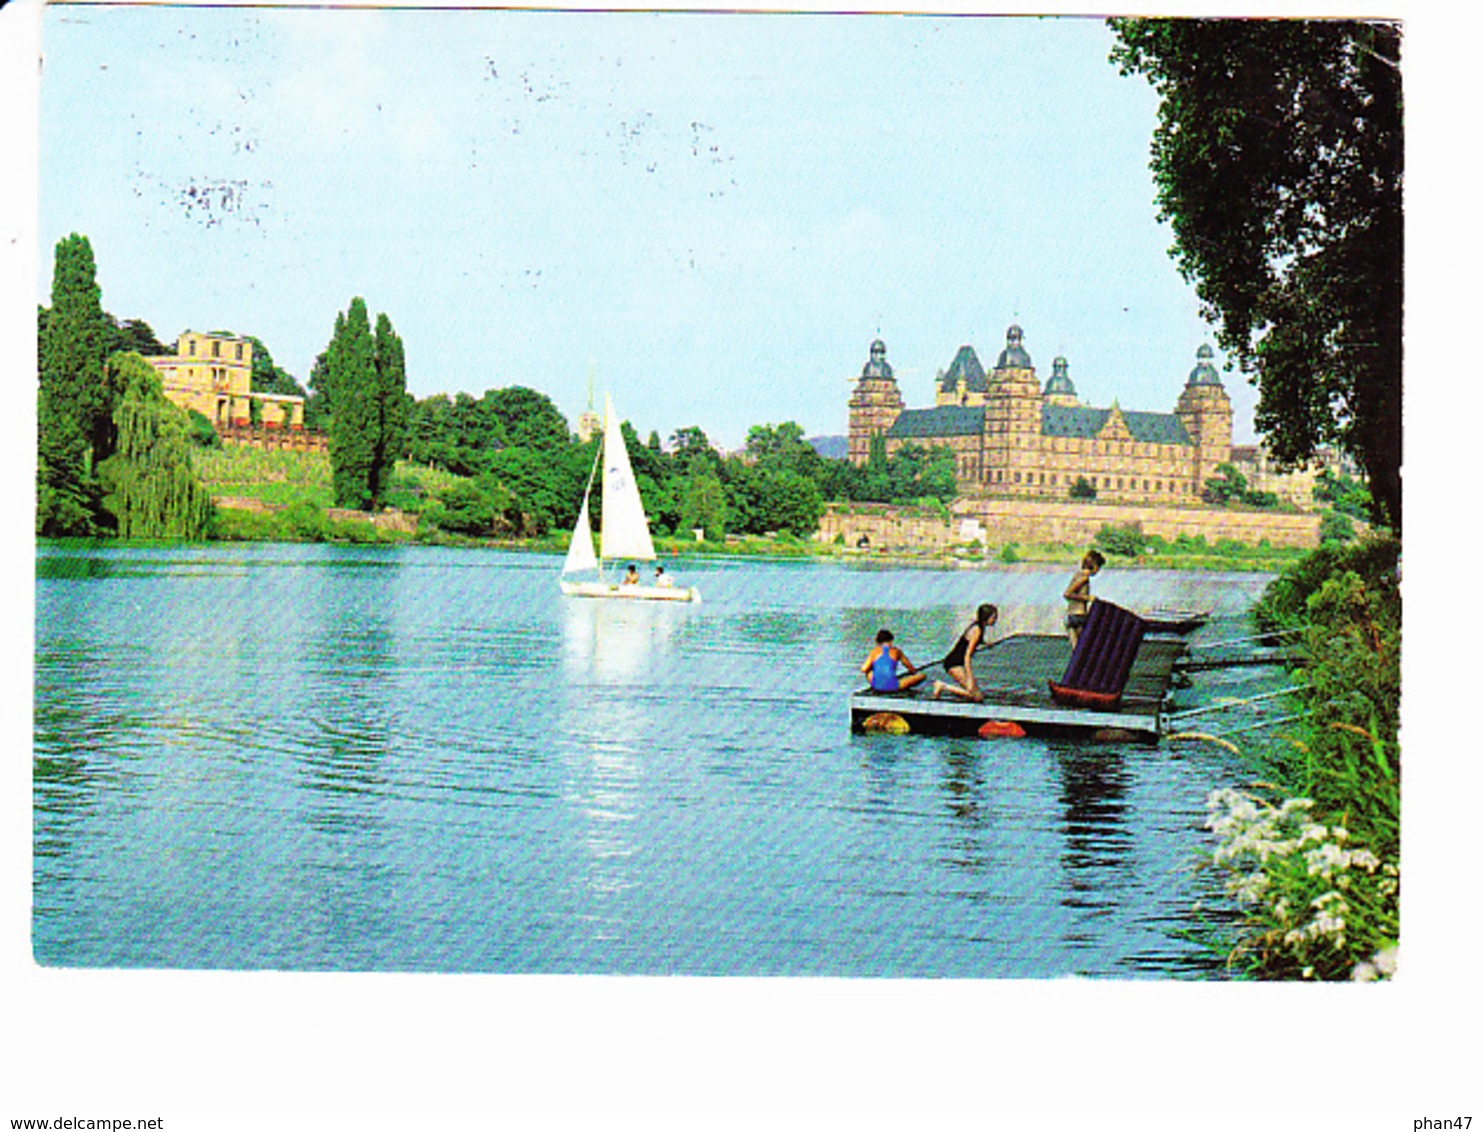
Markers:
<point>1309,848</point>
<point>295,493</point>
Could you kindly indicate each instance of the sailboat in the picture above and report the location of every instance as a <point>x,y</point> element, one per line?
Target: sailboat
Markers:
<point>624,533</point>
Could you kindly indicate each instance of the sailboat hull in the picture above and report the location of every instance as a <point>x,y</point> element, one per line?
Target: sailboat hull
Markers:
<point>630,592</point>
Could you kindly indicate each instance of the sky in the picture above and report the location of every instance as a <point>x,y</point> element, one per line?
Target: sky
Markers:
<point>710,216</point>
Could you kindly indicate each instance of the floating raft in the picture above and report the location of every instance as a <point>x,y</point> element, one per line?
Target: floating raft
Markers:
<point>1013,675</point>
<point>1180,621</point>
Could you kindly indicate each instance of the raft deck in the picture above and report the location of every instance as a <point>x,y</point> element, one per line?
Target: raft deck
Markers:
<point>1013,675</point>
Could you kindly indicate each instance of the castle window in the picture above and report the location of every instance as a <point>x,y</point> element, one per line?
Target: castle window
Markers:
<point>239,351</point>
<point>216,349</point>
<point>1106,481</point>
<point>1052,481</point>
<point>190,347</point>
<point>1145,486</point>
<point>1160,485</point>
<point>1016,477</point>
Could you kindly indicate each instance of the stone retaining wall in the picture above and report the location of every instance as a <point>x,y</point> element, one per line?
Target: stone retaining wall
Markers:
<point>994,522</point>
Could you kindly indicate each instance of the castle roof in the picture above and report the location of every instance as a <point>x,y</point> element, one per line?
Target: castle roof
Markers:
<point>1086,422</point>
<point>1014,356</point>
<point>1204,372</point>
<point>1060,379</point>
<point>877,366</point>
<point>966,373</point>
<point>938,421</point>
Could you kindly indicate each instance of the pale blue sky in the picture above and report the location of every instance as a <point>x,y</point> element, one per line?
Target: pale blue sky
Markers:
<point>714,214</point>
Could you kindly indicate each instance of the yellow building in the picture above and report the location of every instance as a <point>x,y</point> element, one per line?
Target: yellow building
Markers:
<point>212,374</point>
<point>1009,436</point>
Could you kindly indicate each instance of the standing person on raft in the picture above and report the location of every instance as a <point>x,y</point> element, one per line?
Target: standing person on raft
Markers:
<point>880,666</point>
<point>1078,594</point>
<point>959,662</point>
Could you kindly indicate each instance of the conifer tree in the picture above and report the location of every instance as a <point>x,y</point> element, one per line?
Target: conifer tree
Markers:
<point>353,389</point>
<point>391,404</point>
<point>150,486</point>
<point>75,429</point>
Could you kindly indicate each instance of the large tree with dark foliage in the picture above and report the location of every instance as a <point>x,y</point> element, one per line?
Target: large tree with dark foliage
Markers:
<point>1278,159</point>
<point>74,406</point>
<point>364,378</point>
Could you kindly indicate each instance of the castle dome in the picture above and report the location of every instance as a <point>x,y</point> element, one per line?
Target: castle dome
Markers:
<point>1204,372</point>
<point>1060,382</point>
<point>877,366</point>
<point>1014,355</point>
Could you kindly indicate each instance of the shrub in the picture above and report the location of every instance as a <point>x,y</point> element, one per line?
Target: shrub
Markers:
<point>1009,553</point>
<point>1336,527</point>
<point>202,433</point>
<point>1126,540</point>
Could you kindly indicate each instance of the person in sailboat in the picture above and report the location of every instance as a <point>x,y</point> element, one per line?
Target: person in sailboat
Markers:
<point>959,662</point>
<point>631,577</point>
<point>881,666</point>
<point>661,578</point>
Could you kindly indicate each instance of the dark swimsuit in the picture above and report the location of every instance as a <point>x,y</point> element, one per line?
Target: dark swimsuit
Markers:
<point>958,656</point>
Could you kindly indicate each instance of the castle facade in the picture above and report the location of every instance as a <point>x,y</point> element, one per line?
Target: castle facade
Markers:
<point>1010,436</point>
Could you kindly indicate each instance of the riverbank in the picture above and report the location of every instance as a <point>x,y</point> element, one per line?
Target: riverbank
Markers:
<point>288,497</point>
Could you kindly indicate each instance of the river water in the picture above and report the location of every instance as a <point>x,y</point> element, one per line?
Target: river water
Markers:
<point>418,759</point>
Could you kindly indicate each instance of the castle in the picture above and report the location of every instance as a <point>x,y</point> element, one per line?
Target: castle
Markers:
<point>1009,436</point>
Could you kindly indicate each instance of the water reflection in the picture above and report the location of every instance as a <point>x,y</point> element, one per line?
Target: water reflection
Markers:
<point>963,784</point>
<point>614,655</point>
<point>1095,862</point>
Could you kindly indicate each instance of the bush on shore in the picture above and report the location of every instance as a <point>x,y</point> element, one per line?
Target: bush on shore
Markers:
<point>1311,854</point>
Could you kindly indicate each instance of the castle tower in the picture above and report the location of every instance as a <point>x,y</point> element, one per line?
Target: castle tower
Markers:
<point>874,405</point>
<point>1011,418</point>
<point>1059,390</point>
<point>1204,409</point>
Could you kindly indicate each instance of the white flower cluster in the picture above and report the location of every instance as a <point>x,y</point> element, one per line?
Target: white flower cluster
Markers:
<point>1253,835</point>
<point>1249,830</point>
<point>1381,965</point>
<point>1327,924</point>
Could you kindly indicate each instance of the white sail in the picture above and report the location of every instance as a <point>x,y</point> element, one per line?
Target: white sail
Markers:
<point>624,525</point>
<point>581,555</point>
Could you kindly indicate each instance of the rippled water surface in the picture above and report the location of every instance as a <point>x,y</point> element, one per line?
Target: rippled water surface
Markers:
<point>422,759</point>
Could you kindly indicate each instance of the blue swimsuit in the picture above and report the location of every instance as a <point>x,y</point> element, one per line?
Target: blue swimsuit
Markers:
<point>882,673</point>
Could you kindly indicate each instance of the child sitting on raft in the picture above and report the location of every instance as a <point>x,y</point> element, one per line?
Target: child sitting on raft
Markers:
<point>880,666</point>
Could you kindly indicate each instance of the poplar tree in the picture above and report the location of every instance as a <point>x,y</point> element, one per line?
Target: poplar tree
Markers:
<point>74,401</point>
<point>150,486</point>
<point>364,380</point>
<point>354,428</point>
<point>391,404</point>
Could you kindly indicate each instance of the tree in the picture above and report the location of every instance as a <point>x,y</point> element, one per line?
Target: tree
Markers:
<point>702,506</point>
<point>529,419</point>
<point>1082,488</point>
<point>149,485</point>
<point>364,378</point>
<point>1278,160</point>
<point>391,406</point>
<point>134,335</point>
<point>267,377</point>
<point>75,402</point>
<point>1227,486</point>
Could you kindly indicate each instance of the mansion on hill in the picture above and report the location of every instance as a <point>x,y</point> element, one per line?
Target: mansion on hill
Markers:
<point>212,374</point>
<point>1012,436</point>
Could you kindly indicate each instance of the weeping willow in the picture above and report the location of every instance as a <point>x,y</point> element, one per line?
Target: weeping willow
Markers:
<point>151,488</point>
